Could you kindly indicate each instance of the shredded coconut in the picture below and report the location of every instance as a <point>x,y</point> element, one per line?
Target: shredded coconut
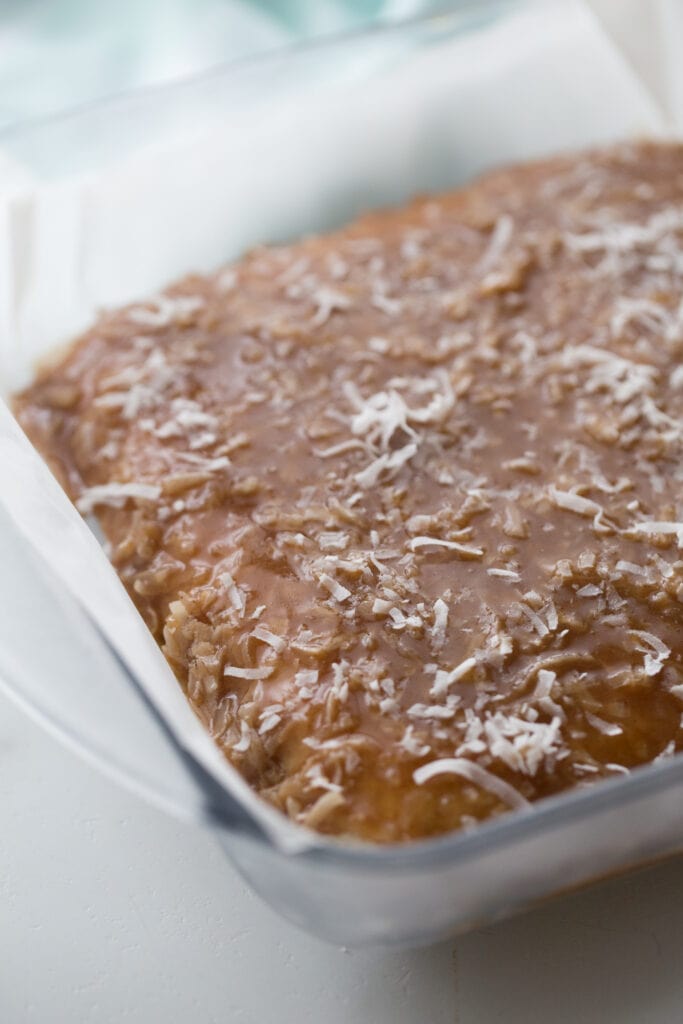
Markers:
<point>607,728</point>
<point>443,680</point>
<point>498,243</point>
<point>244,742</point>
<point>474,773</point>
<point>238,672</point>
<point>440,623</point>
<point>427,711</point>
<point>422,542</point>
<point>236,595</point>
<point>338,592</point>
<point>327,301</point>
<point>652,528</point>
<point>265,635</point>
<point>269,723</point>
<point>165,309</point>
<point>655,650</point>
<point>116,494</point>
<point>505,574</point>
<point>411,744</point>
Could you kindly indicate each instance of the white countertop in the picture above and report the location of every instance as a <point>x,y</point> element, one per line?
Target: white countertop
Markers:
<point>113,912</point>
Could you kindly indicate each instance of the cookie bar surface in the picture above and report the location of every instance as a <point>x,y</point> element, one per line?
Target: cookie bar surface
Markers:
<point>403,504</point>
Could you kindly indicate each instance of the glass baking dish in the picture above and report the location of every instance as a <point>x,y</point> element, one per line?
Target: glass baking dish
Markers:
<point>109,202</point>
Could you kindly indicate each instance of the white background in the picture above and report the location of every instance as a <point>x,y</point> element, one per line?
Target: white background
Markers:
<point>113,912</point>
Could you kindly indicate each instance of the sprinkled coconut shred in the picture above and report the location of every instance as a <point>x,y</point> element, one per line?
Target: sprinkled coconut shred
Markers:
<point>271,639</point>
<point>436,542</point>
<point>440,623</point>
<point>338,592</point>
<point>238,672</point>
<point>660,529</point>
<point>443,680</point>
<point>402,504</point>
<point>474,773</point>
<point>116,495</point>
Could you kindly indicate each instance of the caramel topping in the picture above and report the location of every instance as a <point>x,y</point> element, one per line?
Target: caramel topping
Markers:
<point>403,504</point>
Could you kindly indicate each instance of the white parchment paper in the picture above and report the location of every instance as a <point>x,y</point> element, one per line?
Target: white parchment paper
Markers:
<point>414,118</point>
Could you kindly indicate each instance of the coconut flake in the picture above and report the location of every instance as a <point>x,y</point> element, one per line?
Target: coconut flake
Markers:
<point>622,241</point>
<point>523,746</point>
<point>271,639</point>
<point>369,476</point>
<point>412,745</point>
<point>654,528</point>
<point>270,721</point>
<point>551,616</point>
<point>534,618</point>
<point>587,769</point>
<point>244,742</point>
<point>385,304</point>
<point>619,768</point>
<point>306,677</point>
<point>339,687</point>
<point>323,807</point>
<point>546,679</point>
<point>505,574</point>
<point>236,596</point>
<point>115,495</point>
<point>338,592</point>
<point>607,728</point>
<point>646,313</point>
<point>427,711</point>
<point>498,243</point>
<point>574,502</point>
<point>422,542</point>
<point>545,682</point>
<point>165,309</point>
<point>633,568</point>
<point>328,301</point>
<point>440,610</point>
<point>655,650</point>
<point>443,680</point>
<point>474,773</point>
<point>378,417</point>
<point>238,672</point>
<point>333,540</point>
<point>318,780</point>
<point>339,449</point>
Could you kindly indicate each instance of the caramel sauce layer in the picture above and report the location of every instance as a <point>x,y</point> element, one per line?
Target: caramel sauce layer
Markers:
<point>403,505</point>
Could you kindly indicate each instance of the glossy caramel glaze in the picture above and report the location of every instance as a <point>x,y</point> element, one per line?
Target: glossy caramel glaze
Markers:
<point>403,505</point>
